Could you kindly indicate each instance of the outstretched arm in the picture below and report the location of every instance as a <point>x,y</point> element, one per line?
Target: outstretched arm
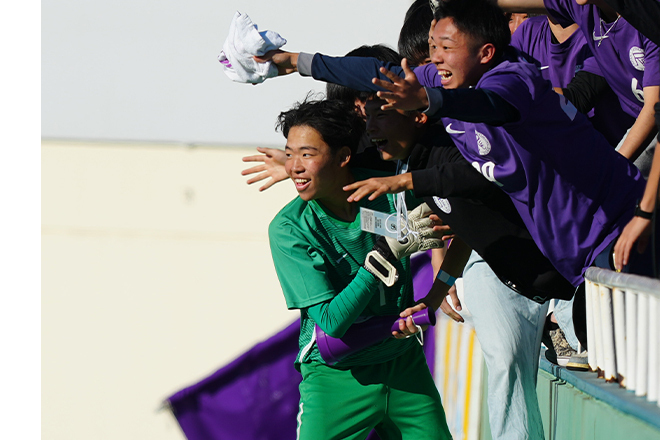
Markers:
<point>643,129</point>
<point>453,177</point>
<point>378,186</point>
<point>530,6</point>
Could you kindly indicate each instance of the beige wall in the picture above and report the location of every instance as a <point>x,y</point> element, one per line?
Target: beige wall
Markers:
<point>156,271</point>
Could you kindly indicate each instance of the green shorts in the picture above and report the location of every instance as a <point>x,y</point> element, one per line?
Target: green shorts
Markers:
<point>398,398</point>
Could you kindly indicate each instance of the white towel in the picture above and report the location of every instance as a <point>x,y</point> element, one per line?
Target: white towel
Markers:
<point>243,42</point>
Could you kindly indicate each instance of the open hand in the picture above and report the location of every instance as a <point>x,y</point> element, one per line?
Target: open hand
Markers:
<point>637,230</point>
<point>447,233</point>
<point>273,167</point>
<point>447,308</point>
<point>403,93</point>
<point>377,186</point>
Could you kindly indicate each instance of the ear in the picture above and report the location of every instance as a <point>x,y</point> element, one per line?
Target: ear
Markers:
<point>420,119</point>
<point>487,53</point>
<point>344,156</point>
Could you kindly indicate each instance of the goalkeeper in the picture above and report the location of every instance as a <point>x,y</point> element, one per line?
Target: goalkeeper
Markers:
<point>336,274</point>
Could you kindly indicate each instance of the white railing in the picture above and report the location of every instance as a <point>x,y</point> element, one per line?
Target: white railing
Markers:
<point>623,330</point>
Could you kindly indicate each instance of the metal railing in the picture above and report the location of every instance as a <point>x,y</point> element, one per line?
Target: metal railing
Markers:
<point>623,330</point>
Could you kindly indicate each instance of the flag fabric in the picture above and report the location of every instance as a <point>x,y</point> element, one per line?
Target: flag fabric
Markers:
<point>256,396</point>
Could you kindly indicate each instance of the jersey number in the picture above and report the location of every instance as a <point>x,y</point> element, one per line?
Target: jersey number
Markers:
<point>488,171</point>
<point>639,94</point>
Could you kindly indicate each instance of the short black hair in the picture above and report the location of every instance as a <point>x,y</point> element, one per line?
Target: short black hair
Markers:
<point>414,36</point>
<point>482,20</point>
<point>336,121</point>
<point>378,51</point>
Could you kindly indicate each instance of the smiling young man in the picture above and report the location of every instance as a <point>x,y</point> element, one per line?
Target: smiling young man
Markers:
<point>320,254</point>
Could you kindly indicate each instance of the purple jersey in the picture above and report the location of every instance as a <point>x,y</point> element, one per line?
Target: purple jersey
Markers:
<point>627,59</point>
<point>572,190</point>
<point>559,62</point>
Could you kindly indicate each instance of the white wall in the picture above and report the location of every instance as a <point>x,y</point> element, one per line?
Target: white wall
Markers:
<point>148,70</point>
<point>156,271</point>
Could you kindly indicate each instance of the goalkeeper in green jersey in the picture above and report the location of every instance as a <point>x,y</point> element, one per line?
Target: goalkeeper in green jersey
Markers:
<point>338,275</point>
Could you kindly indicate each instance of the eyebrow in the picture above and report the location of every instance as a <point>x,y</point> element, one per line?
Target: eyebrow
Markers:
<point>442,38</point>
<point>304,147</point>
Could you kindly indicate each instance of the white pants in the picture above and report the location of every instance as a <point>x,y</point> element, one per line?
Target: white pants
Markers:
<point>509,328</point>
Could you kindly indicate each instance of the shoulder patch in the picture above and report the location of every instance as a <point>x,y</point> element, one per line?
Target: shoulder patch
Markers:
<point>636,55</point>
<point>483,143</point>
<point>443,204</point>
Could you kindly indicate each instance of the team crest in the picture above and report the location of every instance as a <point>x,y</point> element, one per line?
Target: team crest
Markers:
<point>443,204</point>
<point>637,58</point>
<point>482,143</point>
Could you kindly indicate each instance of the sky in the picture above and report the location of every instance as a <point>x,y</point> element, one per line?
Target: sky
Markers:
<point>145,70</point>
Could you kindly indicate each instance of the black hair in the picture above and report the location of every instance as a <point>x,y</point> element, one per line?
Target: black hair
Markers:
<point>482,20</point>
<point>414,35</point>
<point>379,51</point>
<point>336,121</point>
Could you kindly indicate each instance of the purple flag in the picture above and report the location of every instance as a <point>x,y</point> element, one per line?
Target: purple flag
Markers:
<point>256,396</point>
<point>253,398</point>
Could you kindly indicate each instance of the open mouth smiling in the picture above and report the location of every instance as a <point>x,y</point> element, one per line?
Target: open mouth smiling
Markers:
<point>445,74</point>
<point>379,143</point>
<point>301,183</point>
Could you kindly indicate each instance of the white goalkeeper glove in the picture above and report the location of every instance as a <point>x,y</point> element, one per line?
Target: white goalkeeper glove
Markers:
<point>420,237</point>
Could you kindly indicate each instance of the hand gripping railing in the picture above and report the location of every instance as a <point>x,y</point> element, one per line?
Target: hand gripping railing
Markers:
<point>623,330</point>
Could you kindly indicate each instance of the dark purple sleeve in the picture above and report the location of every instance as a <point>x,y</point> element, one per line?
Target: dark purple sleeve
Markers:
<point>357,72</point>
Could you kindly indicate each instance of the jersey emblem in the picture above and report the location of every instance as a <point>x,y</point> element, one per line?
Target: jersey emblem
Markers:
<point>450,131</point>
<point>482,143</point>
<point>443,204</point>
<point>636,55</point>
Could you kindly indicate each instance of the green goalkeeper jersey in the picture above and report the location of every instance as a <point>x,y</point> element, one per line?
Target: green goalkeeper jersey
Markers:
<point>317,255</point>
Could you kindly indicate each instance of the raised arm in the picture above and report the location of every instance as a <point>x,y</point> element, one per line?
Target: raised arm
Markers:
<point>530,6</point>
<point>644,129</point>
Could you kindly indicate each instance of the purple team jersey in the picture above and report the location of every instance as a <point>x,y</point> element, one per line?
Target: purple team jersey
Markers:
<point>626,58</point>
<point>572,190</point>
<point>559,62</point>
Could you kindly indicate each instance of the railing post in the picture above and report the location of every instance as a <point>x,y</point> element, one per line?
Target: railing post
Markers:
<point>591,332</point>
<point>642,344</point>
<point>653,349</point>
<point>598,329</point>
<point>607,332</point>
<point>619,308</point>
<point>631,339</point>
